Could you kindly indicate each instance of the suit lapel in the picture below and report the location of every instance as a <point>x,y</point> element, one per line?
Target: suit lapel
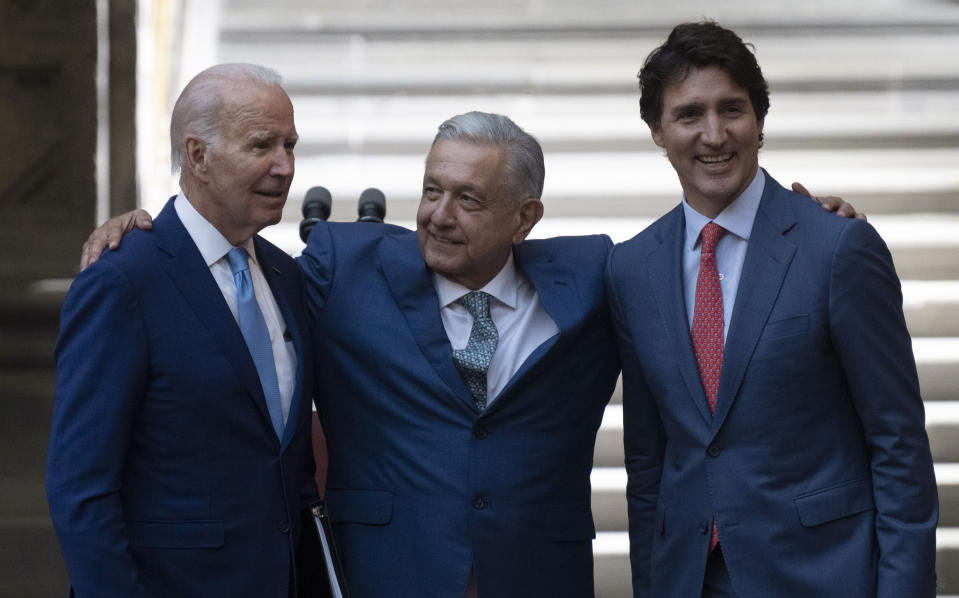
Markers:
<point>768,257</point>
<point>280,285</point>
<point>411,283</point>
<point>666,279</point>
<point>556,287</point>
<point>188,271</point>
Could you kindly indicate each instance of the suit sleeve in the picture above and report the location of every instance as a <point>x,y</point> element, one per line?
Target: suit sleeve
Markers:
<point>869,332</point>
<point>102,364</point>
<point>644,442</point>
<point>316,261</point>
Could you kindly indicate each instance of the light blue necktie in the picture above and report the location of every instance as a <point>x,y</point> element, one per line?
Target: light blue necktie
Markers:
<point>256,335</point>
<point>473,360</point>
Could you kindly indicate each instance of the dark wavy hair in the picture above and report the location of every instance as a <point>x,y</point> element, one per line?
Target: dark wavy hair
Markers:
<point>700,45</point>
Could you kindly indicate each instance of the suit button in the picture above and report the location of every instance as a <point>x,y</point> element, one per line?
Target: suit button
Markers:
<point>713,450</point>
<point>703,527</point>
<point>479,503</point>
<point>480,432</point>
<point>283,526</point>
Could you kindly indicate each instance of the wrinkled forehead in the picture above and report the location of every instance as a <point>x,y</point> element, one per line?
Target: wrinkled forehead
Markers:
<point>258,107</point>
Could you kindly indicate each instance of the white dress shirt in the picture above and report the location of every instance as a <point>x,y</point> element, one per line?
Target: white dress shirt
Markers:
<point>213,247</point>
<point>522,323</point>
<point>737,219</point>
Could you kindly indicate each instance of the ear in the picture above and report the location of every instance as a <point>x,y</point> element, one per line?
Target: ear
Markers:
<point>657,134</point>
<point>530,212</point>
<point>197,157</point>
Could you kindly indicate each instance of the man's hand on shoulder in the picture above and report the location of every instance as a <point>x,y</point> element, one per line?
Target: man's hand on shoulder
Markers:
<point>110,233</point>
<point>831,203</point>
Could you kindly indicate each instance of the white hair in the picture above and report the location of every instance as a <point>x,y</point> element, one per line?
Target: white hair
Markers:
<point>524,156</point>
<point>198,110</point>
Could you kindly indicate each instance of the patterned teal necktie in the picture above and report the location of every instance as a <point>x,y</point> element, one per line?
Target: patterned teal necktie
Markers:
<point>256,335</point>
<point>473,360</point>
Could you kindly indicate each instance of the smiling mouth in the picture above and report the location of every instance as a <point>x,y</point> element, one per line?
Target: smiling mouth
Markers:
<point>715,159</point>
<point>274,194</point>
<point>444,240</point>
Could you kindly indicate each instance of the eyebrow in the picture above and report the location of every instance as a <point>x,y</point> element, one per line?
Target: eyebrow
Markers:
<point>266,134</point>
<point>727,101</point>
<point>427,179</point>
<point>680,109</point>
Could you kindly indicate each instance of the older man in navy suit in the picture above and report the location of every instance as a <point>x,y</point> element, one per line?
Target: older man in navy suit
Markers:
<point>775,440</point>
<point>179,458</point>
<point>466,372</point>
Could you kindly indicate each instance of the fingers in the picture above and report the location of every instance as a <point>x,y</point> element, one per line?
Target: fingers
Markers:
<point>93,248</point>
<point>842,208</point>
<point>831,203</point>
<point>136,219</point>
<point>800,189</point>
<point>110,233</point>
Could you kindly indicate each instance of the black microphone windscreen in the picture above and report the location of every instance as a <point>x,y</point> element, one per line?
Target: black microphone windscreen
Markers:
<point>316,206</point>
<point>317,198</point>
<point>372,205</point>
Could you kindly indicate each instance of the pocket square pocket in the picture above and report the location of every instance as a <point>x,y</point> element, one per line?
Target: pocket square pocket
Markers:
<point>785,327</point>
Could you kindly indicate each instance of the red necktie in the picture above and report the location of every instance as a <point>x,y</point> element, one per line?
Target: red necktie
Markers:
<point>707,329</point>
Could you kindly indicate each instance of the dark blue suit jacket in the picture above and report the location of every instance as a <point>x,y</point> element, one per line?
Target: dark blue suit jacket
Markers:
<point>420,485</point>
<point>816,465</point>
<point>165,476</point>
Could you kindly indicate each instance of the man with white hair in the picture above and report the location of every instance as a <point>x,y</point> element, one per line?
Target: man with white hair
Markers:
<point>179,459</point>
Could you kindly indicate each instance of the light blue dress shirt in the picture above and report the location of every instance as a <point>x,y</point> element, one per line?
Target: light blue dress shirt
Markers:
<point>737,219</point>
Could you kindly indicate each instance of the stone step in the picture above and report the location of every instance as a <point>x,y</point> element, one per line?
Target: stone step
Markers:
<point>931,307</point>
<point>611,563</point>
<point>420,15</point>
<point>581,60</point>
<point>947,478</point>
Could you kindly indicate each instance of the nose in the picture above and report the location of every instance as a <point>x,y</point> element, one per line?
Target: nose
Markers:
<point>283,160</point>
<point>714,131</point>
<point>444,211</point>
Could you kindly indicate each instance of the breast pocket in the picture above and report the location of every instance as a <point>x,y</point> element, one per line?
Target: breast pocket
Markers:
<point>783,336</point>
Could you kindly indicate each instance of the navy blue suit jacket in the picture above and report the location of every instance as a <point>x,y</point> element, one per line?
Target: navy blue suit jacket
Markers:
<point>165,476</point>
<point>816,465</point>
<point>420,484</point>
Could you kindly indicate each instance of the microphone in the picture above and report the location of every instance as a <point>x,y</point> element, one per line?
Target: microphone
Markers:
<point>372,206</point>
<point>316,207</point>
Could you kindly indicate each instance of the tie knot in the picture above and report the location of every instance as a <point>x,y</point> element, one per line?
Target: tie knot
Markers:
<point>711,235</point>
<point>237,258</point>
<point>477,303</point>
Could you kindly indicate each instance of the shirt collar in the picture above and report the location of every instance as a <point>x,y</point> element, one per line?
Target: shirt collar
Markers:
<point>504,287</point>
<point>737,218</point>
<point>211,243</point>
